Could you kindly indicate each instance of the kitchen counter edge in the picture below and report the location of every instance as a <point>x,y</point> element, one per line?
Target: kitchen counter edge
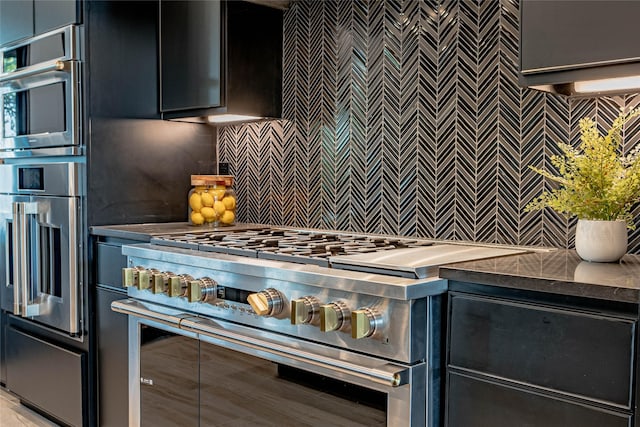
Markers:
<point>559,272</point>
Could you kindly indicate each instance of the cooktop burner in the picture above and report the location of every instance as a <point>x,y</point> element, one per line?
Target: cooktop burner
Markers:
<point>300,246</point>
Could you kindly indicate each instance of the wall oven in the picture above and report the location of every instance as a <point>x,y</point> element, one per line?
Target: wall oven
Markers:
<point>40,95</point>
<point>40,243</point>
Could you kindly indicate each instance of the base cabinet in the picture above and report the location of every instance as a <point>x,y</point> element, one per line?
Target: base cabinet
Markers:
<point>34,362</point>
<point>538,360</point>
<point>111,334</point>
<point>112,354</point>
<point>481,402</point>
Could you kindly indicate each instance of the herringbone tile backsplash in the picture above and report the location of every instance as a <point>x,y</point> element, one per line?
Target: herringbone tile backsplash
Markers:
<point>405,117</point>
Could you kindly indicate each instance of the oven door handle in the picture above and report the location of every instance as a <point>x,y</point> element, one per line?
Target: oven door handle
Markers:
<point>388,374</point>
<point>22,277</point>
<point>33,71</point>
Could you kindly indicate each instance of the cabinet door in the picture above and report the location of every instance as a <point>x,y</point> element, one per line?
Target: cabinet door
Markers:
<point>559,349</point>
<point>110,263</point>
<point>562,34</point>
<point>16,20</point>
<point>48,376</point>
<point>113,361</point>
<point>52,14</point>
<point>190,47</point>
<point>474,402</point>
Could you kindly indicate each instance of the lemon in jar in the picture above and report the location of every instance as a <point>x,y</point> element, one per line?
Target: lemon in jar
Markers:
<point>207,199</point>
<point>219,207</point>
<point>197,218</point>
<point>209,214</point>
<point>227,217</point>
<point>218,192</point>
<point>195,202</point>
<point>229,202</point>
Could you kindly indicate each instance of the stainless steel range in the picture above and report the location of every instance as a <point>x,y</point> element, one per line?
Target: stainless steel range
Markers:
<point>357,309</point>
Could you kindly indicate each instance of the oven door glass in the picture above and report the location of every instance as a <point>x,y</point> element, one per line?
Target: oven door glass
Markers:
<point>34,111</point>
<point>187,382</point>
<point>239,389</point>
<point>168,378</point>
<point>39,260</point>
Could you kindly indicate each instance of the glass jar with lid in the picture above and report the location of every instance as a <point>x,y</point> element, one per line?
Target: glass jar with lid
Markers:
<point>212,200</point>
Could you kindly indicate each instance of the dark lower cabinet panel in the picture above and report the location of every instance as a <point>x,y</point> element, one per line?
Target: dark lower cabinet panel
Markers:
<point>113,361</point>
<point>110,262</point>
<point>473,402</point>
<point>562,349</point>
<point>51,378</point>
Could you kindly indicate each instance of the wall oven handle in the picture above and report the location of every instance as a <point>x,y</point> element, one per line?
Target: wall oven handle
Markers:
<point>21,277</point>
<point>32,71</point>
<point>389,374</point>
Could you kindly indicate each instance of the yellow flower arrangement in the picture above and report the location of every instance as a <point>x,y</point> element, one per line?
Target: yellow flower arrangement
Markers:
<point>596,182</point>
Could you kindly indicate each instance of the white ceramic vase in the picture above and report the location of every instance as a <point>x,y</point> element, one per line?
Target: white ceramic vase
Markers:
<point>601,241</point>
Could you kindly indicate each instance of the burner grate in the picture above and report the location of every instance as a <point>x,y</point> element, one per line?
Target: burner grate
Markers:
<point>298,246</point>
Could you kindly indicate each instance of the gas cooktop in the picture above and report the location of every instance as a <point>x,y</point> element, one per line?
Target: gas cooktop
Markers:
<point>404,257</point>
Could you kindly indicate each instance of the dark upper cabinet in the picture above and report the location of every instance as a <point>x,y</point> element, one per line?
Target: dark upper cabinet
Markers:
<point>51,14</point>
<point>16,20</point>
<point>191,54</point>
<point>20,19</point>
<point>220,57</point>
<point>562,42</point>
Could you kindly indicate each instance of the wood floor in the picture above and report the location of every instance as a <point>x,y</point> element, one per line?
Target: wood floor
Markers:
<point>13,414</point>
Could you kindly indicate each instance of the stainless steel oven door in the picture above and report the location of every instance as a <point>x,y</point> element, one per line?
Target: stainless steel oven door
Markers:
<point>40,110</point>
<point>40,268</point>
<point>40,242</point>
<point>40,95</point>
<point>239,375</point>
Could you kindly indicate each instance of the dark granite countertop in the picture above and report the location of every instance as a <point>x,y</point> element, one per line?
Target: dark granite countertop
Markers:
<point>559,272</point>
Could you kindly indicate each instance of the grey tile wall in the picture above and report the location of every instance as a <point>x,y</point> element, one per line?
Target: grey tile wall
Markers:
<point>405,117</point>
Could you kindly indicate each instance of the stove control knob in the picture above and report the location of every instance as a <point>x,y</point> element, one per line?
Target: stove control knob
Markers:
<point>364,322</point>
<point>203,290</point>
<point>304,310</point>
<point>129,277</point>
<point>144,279</point>
<point>138,277</point>
<point>160,282</point>
<point>334,316</point>
<point>268,302</point>
<point>178,285</point>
